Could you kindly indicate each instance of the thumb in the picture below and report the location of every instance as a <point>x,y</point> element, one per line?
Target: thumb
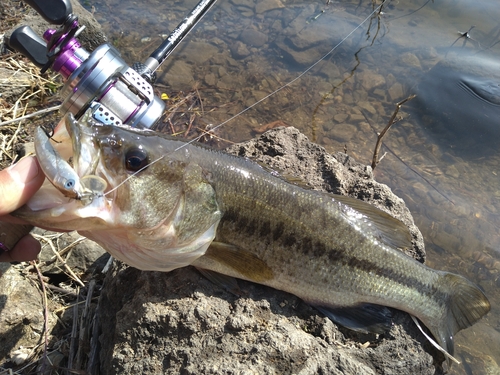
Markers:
<point>18,183</point>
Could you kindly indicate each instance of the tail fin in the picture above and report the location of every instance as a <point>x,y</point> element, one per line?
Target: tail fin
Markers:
<point>465,305</point>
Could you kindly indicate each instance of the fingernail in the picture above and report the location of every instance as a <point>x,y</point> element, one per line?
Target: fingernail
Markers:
<point>24,170</point>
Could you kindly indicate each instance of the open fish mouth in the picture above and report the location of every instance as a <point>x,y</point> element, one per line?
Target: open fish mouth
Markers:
<point>73,189</point>
<point>60,173</point>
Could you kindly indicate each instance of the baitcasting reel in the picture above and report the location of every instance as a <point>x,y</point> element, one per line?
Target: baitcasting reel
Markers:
<point>116,93</point>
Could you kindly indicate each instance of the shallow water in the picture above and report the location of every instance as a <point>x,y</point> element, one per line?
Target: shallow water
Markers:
<point>442,158</point>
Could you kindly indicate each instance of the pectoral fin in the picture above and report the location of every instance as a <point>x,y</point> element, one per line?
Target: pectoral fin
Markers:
<point>365,318</point>
<point>228,283</point>
<point>235,261</point>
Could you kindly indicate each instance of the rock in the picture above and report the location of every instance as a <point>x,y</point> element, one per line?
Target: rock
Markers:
<point>267,5</point>
<point>239,50</point>
<point>179,75</point>
<point>301,58</point>
<point>247,3</point>
<point>13,83</point>
<point>410,59</point>
<point>343,132</point>
<point>396,92</point>
<point>370,80</point>
<point>309,37</point>
<point>253,38</point>
<point>21,314</point>
<point>198,53</point>
<point>210,79</point>
<point>367,106</point>
<point>341,117</point>
<point>179,322</point>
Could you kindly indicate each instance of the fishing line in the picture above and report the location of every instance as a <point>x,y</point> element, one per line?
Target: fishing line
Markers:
<point>293,80</point>
<point>377,9</point>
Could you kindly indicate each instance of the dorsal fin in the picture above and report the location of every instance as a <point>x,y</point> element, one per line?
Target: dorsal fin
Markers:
<point>391,231</point>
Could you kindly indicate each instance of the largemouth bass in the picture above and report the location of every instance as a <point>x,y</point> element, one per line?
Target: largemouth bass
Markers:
<point>157,203</point>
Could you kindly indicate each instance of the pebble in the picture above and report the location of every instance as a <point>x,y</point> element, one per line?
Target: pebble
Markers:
<point>396,92</point>
<point>410,59</point>
<point>199,53</point>
<point>180,75</point>
<point>253,38</point>
<point>367,106</point>
<point>267,5</point>
<point>341,117</point>
<point>239,50</point>
<point>210,79</point>
<point>355,117</point>
<point>452,171</point>
<point>370,80</point>
<point>344,132</point>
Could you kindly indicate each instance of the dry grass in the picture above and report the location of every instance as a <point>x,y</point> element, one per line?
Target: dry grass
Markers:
<point>24,91</point>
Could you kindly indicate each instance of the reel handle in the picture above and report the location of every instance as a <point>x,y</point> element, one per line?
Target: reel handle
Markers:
<point>27,42</point>
<point>54,12</point>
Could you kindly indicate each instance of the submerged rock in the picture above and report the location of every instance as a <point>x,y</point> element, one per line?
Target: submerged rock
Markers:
<point>179,322</point>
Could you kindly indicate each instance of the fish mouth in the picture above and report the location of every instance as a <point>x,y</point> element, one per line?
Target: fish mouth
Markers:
<point>78,181</point>
<point>74,188</point>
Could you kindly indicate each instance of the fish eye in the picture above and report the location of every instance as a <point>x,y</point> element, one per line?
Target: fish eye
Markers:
<point>69,184</point>
<point>136,159</point>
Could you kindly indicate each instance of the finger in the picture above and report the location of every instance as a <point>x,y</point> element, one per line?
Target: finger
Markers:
<point>26,249</point>
<point>18,183</point>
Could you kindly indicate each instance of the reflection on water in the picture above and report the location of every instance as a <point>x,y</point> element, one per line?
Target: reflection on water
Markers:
<point>243,50</point>
<point>445,96</point>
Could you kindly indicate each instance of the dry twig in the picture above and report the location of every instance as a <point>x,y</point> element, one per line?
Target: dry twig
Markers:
<point>391,122</point>
<point>45,318</point>
<point>56,253</point>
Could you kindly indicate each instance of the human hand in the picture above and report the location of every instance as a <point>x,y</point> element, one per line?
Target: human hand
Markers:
<point>17,184</point>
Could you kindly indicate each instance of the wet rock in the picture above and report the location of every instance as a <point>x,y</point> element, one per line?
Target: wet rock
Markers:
<point>301,58</point>
<point>210,79</point>
<point>247,3</point>
<point>198,52</point>
<point>179,75</point>
<point>267,5</point>
<point>370,80</point>
<point>341,117</point>
<point>309,37</point>
<point>410,59</point>
<point>344,132</point>
<point>367,107</point>
<point>179,322</point>
<point>239,50</point>
<point>253,38</point>
<point>396,92</point>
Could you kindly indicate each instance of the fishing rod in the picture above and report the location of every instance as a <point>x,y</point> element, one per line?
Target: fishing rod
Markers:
<point>116,93</point>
